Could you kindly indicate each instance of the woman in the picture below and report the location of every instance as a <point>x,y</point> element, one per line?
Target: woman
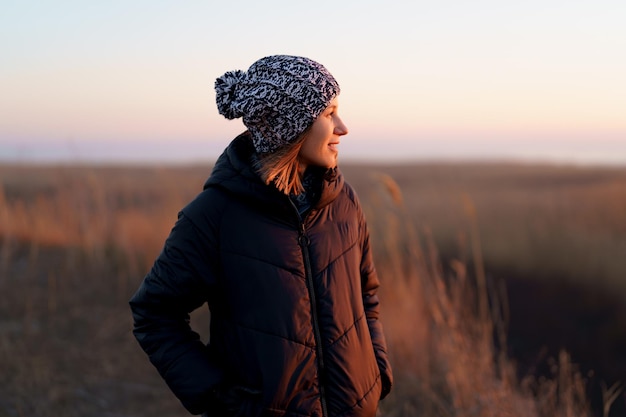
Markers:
<point>278,247</point>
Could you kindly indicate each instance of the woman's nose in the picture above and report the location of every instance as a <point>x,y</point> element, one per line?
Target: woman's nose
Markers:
<point>340,128</point>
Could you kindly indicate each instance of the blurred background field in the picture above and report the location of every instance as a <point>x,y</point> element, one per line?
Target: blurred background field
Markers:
<point>504,286</point>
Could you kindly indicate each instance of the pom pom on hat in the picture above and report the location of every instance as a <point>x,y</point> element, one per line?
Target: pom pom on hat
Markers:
<point>278,98</point>
<point>225,94</point>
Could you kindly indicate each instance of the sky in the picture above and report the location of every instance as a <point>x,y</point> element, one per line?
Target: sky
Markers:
<point>132,81</point>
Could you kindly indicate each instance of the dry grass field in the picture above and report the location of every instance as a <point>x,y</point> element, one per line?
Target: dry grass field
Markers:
<point>504,286</point>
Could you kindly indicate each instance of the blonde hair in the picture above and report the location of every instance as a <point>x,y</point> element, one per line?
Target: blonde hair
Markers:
<point>282,167</point>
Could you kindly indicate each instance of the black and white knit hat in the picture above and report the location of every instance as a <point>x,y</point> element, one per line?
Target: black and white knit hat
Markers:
<point>278,98</point>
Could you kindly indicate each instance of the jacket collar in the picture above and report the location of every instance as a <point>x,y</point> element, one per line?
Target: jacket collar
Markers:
<point>235,173</point>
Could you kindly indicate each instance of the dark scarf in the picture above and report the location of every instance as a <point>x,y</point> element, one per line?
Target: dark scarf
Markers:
<point>312,182</point>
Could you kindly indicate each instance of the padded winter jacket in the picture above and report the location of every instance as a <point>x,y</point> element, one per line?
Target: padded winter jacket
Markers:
<point>294,312</point>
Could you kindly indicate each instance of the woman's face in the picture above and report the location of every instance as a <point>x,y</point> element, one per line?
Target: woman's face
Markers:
<point>320,145</point>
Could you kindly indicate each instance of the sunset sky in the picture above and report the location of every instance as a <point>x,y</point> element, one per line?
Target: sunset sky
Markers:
<point>133,80</point>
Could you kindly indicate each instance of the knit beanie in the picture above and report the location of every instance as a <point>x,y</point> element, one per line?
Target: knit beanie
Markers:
<point>278,98</point>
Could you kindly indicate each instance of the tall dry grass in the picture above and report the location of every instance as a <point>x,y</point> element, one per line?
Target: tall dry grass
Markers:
<point>447,328</point>
<point>74,244</point>
<point>543,221</point>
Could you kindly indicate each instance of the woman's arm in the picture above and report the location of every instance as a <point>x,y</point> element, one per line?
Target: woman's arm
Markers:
<point>370,284</point>
<point>178,283</point>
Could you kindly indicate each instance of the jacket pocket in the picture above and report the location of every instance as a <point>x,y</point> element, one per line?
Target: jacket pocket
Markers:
<point>239,401</point>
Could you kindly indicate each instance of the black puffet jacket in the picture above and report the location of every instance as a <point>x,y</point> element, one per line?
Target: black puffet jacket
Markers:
<point>294,311</point>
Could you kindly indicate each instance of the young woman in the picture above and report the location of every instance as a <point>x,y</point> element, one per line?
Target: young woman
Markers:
<point>278,247</point>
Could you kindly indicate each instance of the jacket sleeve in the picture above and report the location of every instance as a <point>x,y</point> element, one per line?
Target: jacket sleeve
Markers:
<point>370,284</point>
<point>178,283</point>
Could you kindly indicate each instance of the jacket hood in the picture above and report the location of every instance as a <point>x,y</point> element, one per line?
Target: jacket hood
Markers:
<point>234,172</point>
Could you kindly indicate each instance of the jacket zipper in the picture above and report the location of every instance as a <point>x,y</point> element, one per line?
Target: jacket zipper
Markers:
<point>304,242</point>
